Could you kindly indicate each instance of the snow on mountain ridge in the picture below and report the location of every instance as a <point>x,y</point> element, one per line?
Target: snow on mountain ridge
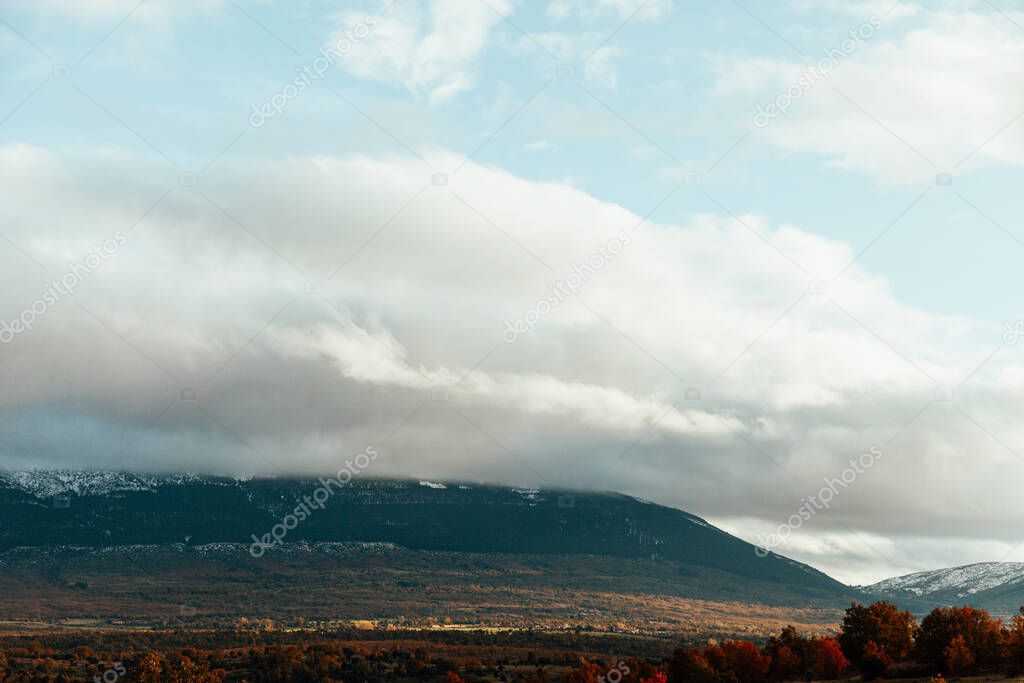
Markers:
<point>49,483</point>
<point>964,581</point>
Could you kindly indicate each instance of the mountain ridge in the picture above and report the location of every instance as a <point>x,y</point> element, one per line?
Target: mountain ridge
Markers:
<point>995,586</point>
<point>111,509</point>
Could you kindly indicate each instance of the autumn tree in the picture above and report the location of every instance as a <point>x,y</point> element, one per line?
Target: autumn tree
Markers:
<point>186,671</point>
<point>959,659</point>
<point>830,662</point>
<point>792,655</point>
<point>873,661</point>
<point>1013,643</point>
<point>882,623</point>
<point>785,664</point>
<point>689,665</point>
<point>743,661</point>
<point>151,668</point>
<point>586,672</point>
<point>982,638</point>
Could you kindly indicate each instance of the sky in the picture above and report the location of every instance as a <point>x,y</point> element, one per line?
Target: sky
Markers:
<point>703,253</point>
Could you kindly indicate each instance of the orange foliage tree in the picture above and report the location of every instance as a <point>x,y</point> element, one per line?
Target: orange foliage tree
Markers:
<point>830,662</point>
<point>882,623</point>
<point>982,646</point>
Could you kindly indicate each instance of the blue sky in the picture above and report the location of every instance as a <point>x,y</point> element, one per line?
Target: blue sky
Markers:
<point>556,124</point>
<point>184,79</point>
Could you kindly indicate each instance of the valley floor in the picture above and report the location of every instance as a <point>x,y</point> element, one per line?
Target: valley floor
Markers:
<point>156,587</point>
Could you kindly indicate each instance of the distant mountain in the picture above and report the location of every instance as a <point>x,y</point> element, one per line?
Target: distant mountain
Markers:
<point>115,510</point>
<point>995,586</point>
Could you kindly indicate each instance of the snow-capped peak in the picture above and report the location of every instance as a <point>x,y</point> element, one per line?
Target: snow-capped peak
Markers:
<point>960,581</point>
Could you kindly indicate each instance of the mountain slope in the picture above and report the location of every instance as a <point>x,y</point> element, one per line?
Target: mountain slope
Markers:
<point>995,586</point>
<point>90,509</point>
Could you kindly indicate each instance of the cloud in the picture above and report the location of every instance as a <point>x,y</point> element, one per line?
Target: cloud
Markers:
<point>600,67</point>
<point>432,48</point>
<point>588,10</point>
<point>539,146</point>
<point>698,367</point>
<point>87,9</point>
<point>359,355</point>
<point>890,10</point>
<point>597,64</point>
<point>935,98</point>
<point>91,11</point>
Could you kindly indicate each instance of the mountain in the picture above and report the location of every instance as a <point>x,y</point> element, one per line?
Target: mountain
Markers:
<point>68,515</point>
<point>995,586</point>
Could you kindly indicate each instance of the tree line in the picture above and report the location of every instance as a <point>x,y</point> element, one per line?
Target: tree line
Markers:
<point>875,641</point>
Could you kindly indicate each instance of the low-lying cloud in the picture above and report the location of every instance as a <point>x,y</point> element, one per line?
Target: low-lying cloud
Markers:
<point>318,306</point>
